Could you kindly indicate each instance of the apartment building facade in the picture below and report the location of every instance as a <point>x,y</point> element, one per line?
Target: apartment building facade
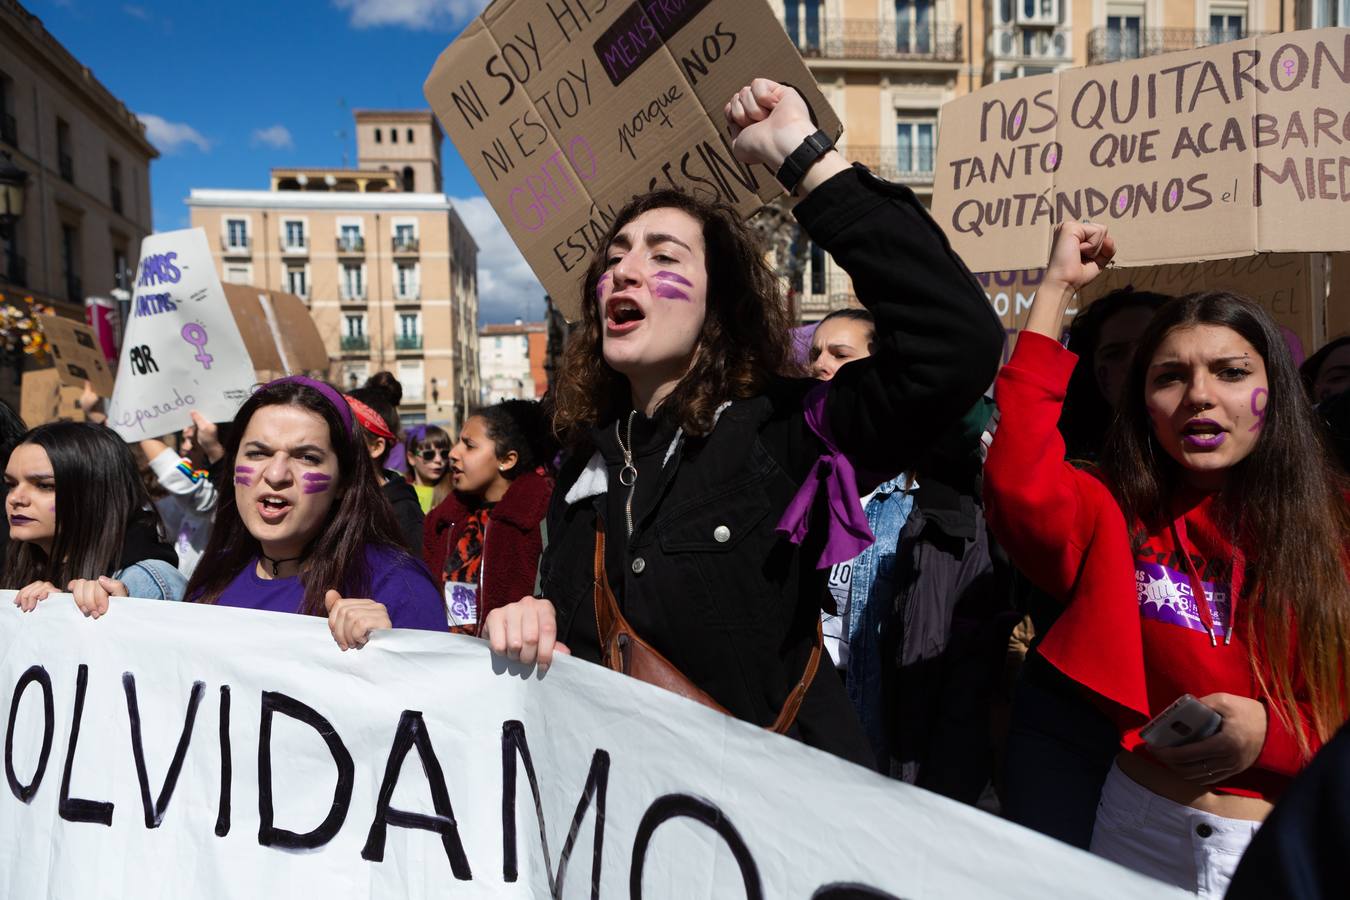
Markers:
<point>514,361</point>
<point>86,194</point>
<point>389,274</point>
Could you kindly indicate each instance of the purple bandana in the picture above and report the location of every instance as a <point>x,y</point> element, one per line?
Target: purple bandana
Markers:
<point>849,534</point>
<point>329,392</point>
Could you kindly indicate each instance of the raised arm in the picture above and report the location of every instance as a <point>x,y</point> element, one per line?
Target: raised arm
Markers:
<point>1042,509</point>
<point>937,338</point>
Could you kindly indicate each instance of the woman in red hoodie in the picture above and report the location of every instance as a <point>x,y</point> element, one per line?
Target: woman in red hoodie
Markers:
<point>1214,484</point>
<point>484,540</point>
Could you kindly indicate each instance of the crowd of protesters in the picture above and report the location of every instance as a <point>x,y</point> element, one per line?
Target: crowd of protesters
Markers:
<point>988,592</point>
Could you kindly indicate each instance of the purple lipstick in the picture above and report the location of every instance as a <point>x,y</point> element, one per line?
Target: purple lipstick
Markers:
<point>1203,434</point>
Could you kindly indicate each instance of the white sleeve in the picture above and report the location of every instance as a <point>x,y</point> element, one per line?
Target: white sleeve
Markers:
<point>191,488</point>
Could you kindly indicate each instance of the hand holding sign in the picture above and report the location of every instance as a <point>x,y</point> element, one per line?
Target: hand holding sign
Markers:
<point>352,620</point>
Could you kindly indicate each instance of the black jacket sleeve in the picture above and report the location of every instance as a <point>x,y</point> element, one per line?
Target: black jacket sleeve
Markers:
<point>938,340</point>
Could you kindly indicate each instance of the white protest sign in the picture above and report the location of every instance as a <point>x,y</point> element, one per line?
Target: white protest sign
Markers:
<point>182,350</point>
<point>181,750</point>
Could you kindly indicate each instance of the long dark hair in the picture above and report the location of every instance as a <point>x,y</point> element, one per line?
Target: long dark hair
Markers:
<point>1087,415</point>
<point>88,461</point>
<point>746,337</point>
<point>1312,366</point>
<point>1282,503</point>
<point>335,558</point>
<point>520,426</point>
<point>381,399</point>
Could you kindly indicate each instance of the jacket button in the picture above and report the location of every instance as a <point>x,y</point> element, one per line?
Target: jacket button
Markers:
<point>1203,830</point>
<point>639,565</point>
<point>721,534</point>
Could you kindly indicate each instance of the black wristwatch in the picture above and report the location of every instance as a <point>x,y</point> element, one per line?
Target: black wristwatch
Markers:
<point>795,167</point>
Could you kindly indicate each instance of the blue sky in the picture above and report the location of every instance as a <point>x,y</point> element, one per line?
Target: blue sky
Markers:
<point>229,90</point>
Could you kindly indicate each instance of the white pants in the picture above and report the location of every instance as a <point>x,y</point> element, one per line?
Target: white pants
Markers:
<point>1194,850</point>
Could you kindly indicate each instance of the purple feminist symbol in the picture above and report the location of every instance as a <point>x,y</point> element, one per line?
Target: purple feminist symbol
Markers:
<point>1172,195</point>
<point>1289,68</point>
<point>316,482</point>
<point>1123,202</point>
<point>1259,412</point>
<point>195,335</point>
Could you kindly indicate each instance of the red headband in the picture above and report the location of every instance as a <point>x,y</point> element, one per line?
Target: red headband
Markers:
<point>370,420</point>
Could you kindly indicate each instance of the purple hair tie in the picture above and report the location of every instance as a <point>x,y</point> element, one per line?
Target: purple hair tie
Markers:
<point>329,392</point>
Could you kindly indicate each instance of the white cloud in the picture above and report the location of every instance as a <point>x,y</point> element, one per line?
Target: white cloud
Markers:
<point>277,137</point>
<point>136,12</point>
<point>410,13</point>
<point>507,288</point>
<point>170,137</point>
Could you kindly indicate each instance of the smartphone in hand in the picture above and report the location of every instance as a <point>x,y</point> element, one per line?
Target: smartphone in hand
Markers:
<point>1187,720</point>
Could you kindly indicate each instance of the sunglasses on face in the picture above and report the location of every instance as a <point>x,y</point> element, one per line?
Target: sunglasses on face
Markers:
<point>429,455</point>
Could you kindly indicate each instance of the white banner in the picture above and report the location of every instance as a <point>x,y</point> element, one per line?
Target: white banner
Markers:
<point>176,750</point>
<point>182,349</point>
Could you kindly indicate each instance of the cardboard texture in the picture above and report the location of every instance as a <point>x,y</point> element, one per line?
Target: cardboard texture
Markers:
<point>564,110</point>
<point>273,324</point>
<point>78,354</point>
<point>45,398</point>
<point>1205,154</point>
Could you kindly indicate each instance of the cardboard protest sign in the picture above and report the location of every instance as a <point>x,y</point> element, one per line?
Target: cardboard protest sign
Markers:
<point>236,753</point>
<point>1204,154</point>
<point>79,358</point>
<point>181,349</point>
<point>278,332</point>
<point>564,110</point>
<point>44,398</point>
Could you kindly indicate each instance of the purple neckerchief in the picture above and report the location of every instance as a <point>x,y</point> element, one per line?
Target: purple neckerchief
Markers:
<point>849,534</point>
<point>328,392</point>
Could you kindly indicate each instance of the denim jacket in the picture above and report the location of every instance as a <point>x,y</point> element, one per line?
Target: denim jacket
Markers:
<point>153,579</point>
<point>872,586</point>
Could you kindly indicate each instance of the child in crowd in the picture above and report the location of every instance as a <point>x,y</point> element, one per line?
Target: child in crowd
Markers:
<point>57,544</point>
<point>305,529</point>
<point>429,457</point>
<point>484,540</point>
<point>376,411</point>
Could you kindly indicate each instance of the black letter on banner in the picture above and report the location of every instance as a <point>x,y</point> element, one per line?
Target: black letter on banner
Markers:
<point>35,673</point>
<point>226,765</point>
<point>269,836</point>
<point>412,731</point>
<point>78,810</point>
<point>154,812</point>
<point>676,806</point>
<point>597,781</point>
<point>847,890</point>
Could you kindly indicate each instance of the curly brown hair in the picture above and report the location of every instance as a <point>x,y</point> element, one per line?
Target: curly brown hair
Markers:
<point>745,340</point>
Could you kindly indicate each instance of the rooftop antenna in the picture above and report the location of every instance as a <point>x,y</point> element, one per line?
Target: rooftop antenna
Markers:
<point>341,134</point>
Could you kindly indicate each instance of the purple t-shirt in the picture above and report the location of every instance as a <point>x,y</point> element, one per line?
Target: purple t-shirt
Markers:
<point>398,581</point>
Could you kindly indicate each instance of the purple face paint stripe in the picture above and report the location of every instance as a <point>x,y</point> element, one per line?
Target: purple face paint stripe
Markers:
<point>669,292</point>
<point>244,481</point>
<point>316,482</point>
<point>676,277</point>
<point>600,286</point>
<point>244,469</point>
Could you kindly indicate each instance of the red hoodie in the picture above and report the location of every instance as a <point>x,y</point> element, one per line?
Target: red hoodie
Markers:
<point>512,541</point>
<point>1132,632</point>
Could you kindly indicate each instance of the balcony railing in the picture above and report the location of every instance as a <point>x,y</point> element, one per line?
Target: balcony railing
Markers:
<point>9,130</point>
<point>16,270</point>
<point>355,343</point>
<point>873,40</point>
<point>116,197</point>
<point>405,245</point>
<point>74,289</point>
<point>351,245</point>
<point>408,342</point>
<point>235,245</point>
<point>886,162</point>
<point>66,165</point>
<point>294,245</point>
<point>1107,45</point>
